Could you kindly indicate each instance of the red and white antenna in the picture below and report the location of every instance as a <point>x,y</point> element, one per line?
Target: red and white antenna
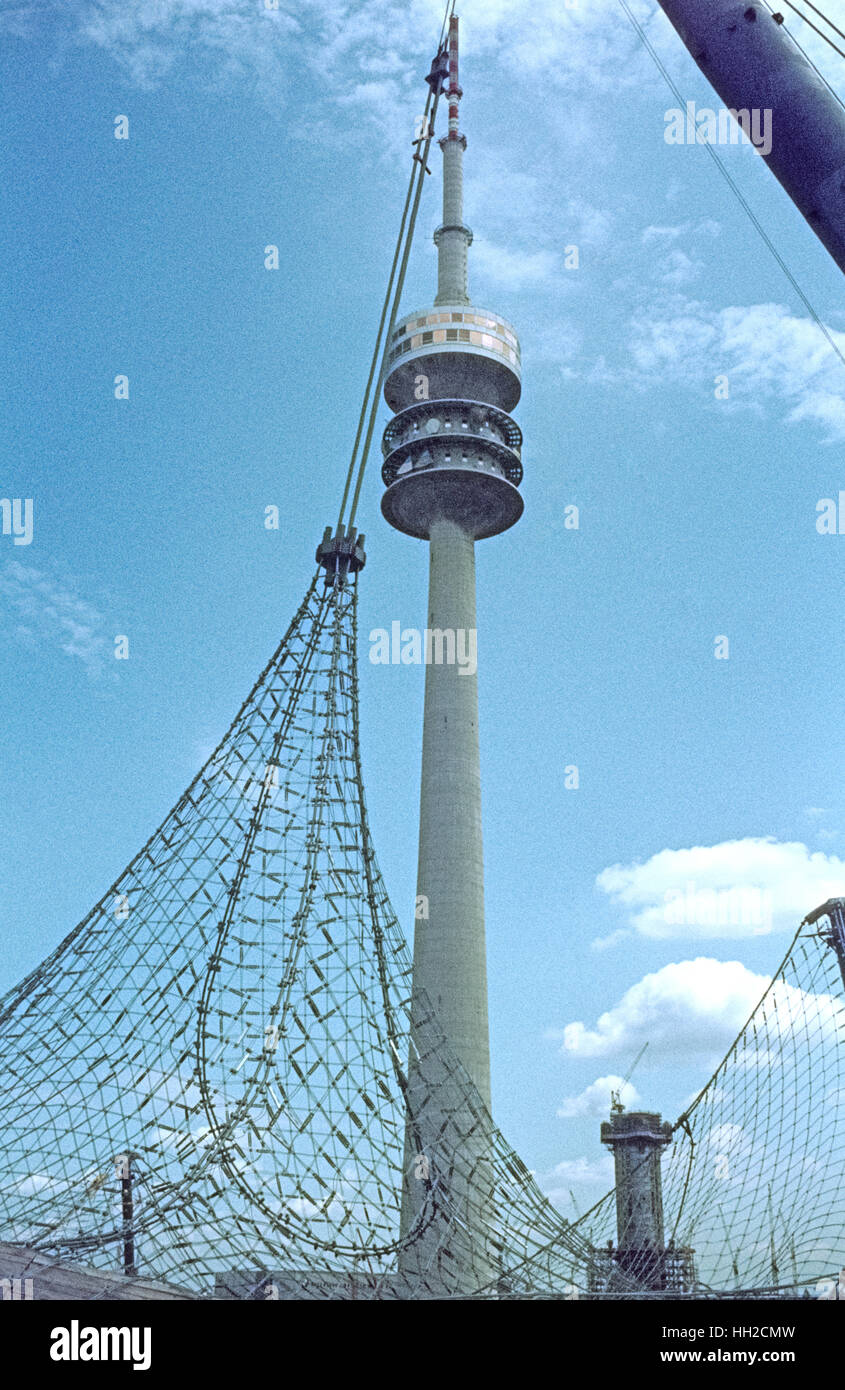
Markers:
<point>452,238</point>
<point>453,91</point>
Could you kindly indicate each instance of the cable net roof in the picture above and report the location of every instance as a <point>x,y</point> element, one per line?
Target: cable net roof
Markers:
<point>753,1197</point>
<point>216,1080</point>
<point>754,1178</point>
<point>230,1026</point>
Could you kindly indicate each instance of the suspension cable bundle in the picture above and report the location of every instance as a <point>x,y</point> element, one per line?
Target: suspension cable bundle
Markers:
<point>339,553</point>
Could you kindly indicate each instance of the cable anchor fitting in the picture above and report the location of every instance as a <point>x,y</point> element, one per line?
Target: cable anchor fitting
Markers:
<point>439,74</point>
<point>340,554</point>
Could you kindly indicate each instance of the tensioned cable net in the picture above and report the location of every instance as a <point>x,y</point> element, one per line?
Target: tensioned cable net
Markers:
<point>753,1197</point>
<point>754,1178</point>
<point>211,1081</point>
<point>227,1035</point>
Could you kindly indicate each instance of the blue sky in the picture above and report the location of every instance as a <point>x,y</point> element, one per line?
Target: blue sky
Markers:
<point>596,646</point>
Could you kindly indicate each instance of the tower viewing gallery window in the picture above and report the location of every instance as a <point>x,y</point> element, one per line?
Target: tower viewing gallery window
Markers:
<point>501,340</point>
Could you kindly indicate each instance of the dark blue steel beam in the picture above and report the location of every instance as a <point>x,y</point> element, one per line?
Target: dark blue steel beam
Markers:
<point>746,54</point>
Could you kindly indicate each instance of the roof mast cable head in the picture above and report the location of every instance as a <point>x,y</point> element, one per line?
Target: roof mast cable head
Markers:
<point>340,554</point>
<point>439,74</point>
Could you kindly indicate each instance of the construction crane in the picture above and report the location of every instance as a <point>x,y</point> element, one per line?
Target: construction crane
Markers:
<point>616,1106</point>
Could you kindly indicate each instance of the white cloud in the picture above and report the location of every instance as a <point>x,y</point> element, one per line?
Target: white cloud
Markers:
<point>679,268</point>
<point>717,1096</point>
<point>731,1143</point>
<point>50,613</point>
<point>512,269</point>
<point>535,222</point>
<point>606,943</point>
<point>694,1009</point>
<point>589,48</point>
<point>665,236</point>
<point>576,1172</point>
<point>582,222</point>
<point>35,1182</point>
<point>769,355</point>
<point>596,1099</point>
<point>675,265</point>
<point>735,889</point>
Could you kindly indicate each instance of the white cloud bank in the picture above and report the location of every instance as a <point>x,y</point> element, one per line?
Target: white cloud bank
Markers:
<point>694,1009</point>
<point>691,1007</point>
<point>739,888</point>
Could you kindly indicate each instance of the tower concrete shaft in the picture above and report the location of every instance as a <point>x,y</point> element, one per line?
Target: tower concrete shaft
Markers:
<point>450,956</point>
<point>450,959</point>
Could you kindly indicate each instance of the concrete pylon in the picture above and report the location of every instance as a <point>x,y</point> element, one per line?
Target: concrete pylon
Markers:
<point>637,1139</point>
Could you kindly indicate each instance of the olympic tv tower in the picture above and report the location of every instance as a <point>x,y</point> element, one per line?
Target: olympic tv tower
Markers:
<point>452,471</point>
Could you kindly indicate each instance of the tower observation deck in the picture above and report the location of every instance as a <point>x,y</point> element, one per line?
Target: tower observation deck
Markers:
<point>453,373</point>
<point>452,469</point>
